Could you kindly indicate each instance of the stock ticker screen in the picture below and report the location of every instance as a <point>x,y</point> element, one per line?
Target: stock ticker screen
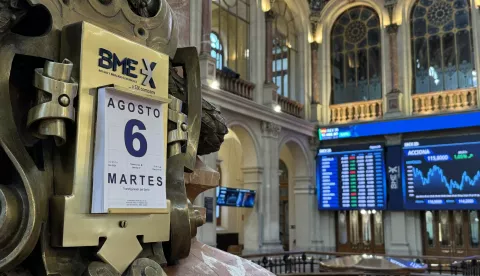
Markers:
<point>351,178</point>
<point>441,175</point>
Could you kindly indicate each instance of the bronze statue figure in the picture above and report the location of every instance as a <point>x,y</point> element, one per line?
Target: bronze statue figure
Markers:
<point>46,147</point>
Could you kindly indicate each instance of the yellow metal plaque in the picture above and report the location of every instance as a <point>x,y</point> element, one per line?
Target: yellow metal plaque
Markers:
<point>100,59</point>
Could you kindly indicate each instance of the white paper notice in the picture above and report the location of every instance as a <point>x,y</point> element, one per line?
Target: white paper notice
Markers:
<point>129,166</point>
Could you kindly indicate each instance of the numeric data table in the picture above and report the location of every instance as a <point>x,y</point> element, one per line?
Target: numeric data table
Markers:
<point>351,179</point>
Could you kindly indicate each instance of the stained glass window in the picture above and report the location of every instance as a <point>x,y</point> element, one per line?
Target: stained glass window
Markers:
<point>356,56</point>
<point>442,46</point>
<point>217,50</point>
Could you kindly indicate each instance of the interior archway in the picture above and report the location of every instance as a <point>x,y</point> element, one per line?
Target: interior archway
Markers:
<point>295,160</point>
<point>237,153</point>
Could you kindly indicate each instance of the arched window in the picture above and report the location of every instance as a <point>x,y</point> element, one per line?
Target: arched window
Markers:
<point>217,50</point>
<point>442,46</point>
<point>231,23</point>
<point>356,56</point>
<point>284,45</point>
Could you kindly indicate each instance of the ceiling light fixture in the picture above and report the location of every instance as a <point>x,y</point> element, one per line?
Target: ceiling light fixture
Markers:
<point>215,84</point>
<point>277,108</point>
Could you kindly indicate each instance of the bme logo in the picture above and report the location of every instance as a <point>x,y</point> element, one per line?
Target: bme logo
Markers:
<point>110,61</point>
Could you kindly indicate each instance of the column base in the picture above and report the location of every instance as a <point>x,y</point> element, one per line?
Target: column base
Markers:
<point>271,247</point>
<point>270,94</point>
<point>208,70</point>
<point>316,113</point>
<point>394,104</point>
<point>399,249</point>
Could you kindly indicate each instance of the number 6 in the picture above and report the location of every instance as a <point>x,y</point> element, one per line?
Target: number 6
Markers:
<point>130,136</point>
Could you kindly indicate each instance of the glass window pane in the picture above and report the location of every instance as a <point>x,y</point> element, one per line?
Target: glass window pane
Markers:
<point>421,66</point>
<point>373,37</point>
<point>278,82</point>
<point>362,74</point>
<point>444,229</point>
<point>450,62</point>
<point>230,23</point>
<point>429,228</point>
<point>354,229</point>
<point>435,69</point>
<point>366,228</point>
<point>355,13</point>
<point>242,46</point>
<point>379,240</point>
<point>461,19</point>
<point>342,227</point>
<point>374,74</point>
<point>285,85</point>
<point>465,65</point>
<point>458,228</point>
<point>419,27</point>
<point>436,29</point>
<point>356,56</point>
<point>338,82</point>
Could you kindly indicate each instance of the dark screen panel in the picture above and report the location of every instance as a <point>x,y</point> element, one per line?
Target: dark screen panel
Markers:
<point>351,178</point>
<point>235,197</point>
<point>441,174</point>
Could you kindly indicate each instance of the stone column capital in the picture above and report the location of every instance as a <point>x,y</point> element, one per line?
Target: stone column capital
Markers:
<point>392,29</point>
<point>313,143</point>
<point>270,16</point>
<point>206,26</point>
<point>270,129</point>
<point>250,170</point>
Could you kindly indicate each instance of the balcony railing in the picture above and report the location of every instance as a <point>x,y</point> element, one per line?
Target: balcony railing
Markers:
<point>235,86</point>
<point>308,263</point>
<point>356,111</point>
<point>290,106</point>
<point>445,101</point>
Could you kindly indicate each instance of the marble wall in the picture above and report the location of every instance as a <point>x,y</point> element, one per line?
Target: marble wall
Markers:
<point>181,10</point>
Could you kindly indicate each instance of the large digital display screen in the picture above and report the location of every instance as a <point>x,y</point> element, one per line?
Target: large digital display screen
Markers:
<point>441,175</point>
<point>406,125</point>
<point>351,178</point>
<point>235,197</point>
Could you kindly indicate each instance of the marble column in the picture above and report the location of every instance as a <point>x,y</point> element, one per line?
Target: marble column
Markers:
<point>269,18</point>
<point>394,97</point>
<point>315,80</point>
<point>403,233</point>
<point>206,26</point>
<point>207,233</point>
<point>252,180</point>
<point>207,62</point>
<point>269,88</point>
<point>316,106</point>
<point>270,192</point>
<point>304,207</point>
